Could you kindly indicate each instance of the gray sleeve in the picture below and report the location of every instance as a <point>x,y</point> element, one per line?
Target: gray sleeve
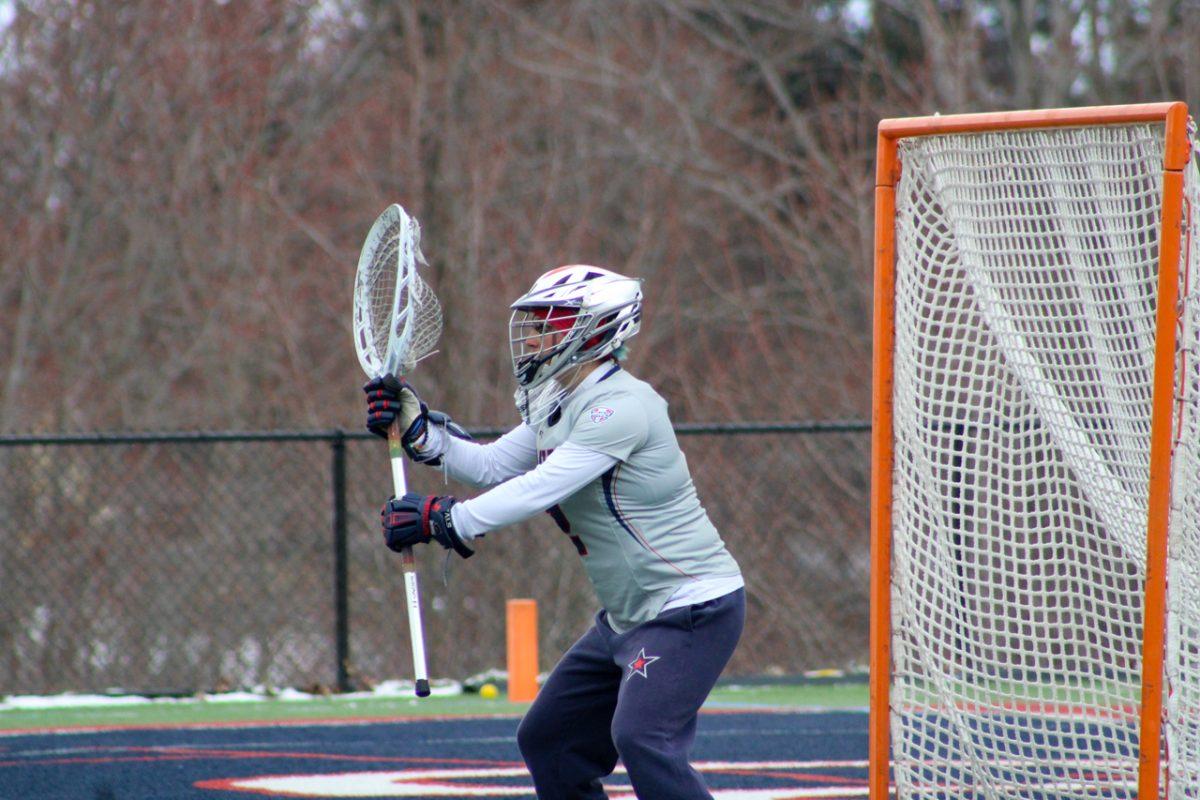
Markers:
<point>614,424</point>
<point>483,465</point>
<point>564,472</point>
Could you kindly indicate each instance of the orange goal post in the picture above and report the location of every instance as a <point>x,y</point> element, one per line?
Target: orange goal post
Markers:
<point>1035,490</point>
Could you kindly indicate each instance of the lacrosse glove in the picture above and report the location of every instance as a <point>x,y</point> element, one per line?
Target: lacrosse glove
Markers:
<point>390,398</point>
<point>417,519</point>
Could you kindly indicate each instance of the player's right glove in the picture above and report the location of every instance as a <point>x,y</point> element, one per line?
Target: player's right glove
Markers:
<point>417,519</point>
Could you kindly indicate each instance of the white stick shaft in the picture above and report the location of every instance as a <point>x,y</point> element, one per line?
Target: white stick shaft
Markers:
<point>409,563</point>
<point>399,481</point>
<point>420,672</point>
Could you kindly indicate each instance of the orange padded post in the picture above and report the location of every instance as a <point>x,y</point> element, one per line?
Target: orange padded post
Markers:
<point>522,650</point>
<point>1154,619</point>
<point>881,469</point>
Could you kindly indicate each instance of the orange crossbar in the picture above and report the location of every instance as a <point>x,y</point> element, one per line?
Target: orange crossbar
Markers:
<point>522,642</point>
<point>887,172</point>
<point>902,127</point>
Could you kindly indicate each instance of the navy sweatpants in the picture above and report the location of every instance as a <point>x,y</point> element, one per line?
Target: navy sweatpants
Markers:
<point>634,696</point>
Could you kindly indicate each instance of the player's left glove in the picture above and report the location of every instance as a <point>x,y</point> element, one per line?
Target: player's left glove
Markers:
<point>417,519</point>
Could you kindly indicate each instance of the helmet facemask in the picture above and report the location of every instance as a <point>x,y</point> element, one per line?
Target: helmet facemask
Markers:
<point>544,343</point>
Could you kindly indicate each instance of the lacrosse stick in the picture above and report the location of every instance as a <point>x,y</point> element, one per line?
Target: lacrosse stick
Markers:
<point>397,321</point>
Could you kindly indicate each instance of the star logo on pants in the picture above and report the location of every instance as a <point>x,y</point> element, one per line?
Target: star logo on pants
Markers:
<point>639,664</point>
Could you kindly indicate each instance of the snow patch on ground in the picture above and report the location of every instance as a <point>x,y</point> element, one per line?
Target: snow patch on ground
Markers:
<point>255,695</point>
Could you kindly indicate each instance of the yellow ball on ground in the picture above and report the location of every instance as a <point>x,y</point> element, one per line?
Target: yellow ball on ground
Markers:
<point>489,691</point>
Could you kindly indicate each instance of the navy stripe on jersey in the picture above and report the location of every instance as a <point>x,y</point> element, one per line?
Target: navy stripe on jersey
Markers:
<point>607,481</point>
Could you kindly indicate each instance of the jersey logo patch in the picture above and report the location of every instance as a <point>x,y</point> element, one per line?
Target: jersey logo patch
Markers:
<point>599,413</point>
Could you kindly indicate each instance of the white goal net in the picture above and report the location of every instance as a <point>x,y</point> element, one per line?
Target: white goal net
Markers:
<point>1026,284</point>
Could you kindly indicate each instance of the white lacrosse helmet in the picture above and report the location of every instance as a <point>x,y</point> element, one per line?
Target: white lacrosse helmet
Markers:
<point>571,316</point>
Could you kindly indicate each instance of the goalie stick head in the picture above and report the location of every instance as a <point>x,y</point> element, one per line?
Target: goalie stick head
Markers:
<point>397,318</point>
<point>572,315</point>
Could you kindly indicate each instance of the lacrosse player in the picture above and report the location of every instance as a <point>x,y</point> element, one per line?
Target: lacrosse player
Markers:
<point>597,449</point>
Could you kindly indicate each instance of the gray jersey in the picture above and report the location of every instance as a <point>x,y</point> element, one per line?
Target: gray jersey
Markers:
<point>640,527</point>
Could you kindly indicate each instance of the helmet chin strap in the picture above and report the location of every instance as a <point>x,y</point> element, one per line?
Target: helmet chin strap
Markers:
<point>567,381</point>
<point>576,375</point>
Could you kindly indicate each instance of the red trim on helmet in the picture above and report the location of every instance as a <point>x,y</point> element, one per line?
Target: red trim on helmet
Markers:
<point>560,318</point>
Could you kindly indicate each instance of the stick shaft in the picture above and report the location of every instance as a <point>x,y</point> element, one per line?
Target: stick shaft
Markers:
<point>408,562</point>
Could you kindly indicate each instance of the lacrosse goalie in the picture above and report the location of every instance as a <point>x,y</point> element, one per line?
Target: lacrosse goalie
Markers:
<point>596,449</point>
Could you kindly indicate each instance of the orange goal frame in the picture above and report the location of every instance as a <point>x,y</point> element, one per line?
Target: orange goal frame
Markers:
<point>888,166</point>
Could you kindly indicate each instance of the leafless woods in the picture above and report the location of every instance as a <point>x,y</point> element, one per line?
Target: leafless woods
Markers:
<point>185,185</point>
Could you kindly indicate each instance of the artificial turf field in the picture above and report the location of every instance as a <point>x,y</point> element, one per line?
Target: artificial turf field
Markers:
<point>773,743</point>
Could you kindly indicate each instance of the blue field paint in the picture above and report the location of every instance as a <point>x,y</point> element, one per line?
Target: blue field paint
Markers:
<point>755,756</point>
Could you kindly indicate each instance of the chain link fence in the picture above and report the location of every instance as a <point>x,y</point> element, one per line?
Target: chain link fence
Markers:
<point>204,562</point>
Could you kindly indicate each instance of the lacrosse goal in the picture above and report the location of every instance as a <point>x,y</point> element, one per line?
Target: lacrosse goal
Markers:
<point>1036,456</point>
